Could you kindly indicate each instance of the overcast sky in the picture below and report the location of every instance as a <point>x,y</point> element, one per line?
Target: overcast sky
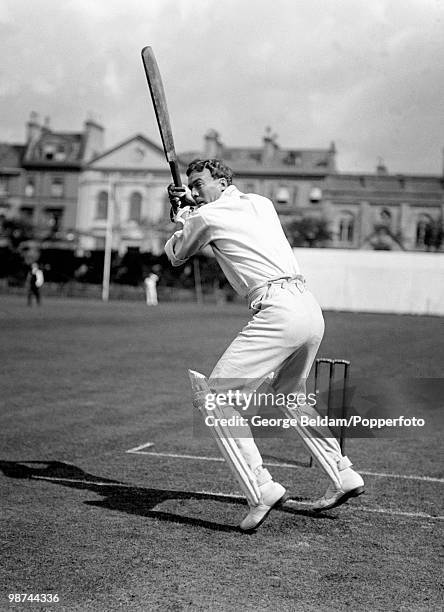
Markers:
<point>368,74</point>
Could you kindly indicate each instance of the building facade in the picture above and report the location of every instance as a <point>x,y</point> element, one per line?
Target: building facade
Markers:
<point>39,180</point>
<point>11,181</point>
<point>61,183</point>
<point>383,211</point>
<point>359,211</point>
<point>52,163</point>
<point>123,191</point>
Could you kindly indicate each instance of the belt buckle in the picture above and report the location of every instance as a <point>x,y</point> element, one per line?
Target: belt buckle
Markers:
<point>300,285</point>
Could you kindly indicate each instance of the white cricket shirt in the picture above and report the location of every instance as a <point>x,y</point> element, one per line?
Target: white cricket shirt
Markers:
<point>246,236</point>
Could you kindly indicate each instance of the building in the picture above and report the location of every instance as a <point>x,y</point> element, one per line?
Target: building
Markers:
<point>51,165</point>
<point>60,184</point>
<point>11,180</point>
<point>39,179</point>
<point>385,211</point>
<point>368,211</point>
<point>132,176</point>
<point>289,177</point>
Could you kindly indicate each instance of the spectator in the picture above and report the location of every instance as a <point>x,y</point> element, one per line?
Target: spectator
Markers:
<point>34,283</point>
<point>150,283</point>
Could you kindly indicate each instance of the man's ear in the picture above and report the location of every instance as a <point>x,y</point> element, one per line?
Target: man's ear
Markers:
<point>223,183</point>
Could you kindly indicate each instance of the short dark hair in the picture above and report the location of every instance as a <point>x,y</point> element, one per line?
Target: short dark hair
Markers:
<point>216,168</point>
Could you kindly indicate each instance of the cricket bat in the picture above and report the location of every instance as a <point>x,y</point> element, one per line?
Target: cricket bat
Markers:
<point>161,110</point>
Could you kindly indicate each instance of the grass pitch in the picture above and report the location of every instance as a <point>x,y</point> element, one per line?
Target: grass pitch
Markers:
<point>83,383</point>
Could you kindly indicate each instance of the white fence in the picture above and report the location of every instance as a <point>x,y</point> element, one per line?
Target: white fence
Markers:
<point>375,281</point>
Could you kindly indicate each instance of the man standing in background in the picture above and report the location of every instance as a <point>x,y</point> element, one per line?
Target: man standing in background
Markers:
<point>34,282</point>
<point>150,283</point>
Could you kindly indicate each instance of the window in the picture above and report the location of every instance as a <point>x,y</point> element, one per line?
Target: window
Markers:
<point>423,227</point>
<point>346,227</point>
<point>57,187</point>
<point>4,185</point>
<point>49,151</point>
<point>60,153</point>
<point>315,195</point>
<point>289,159</point>
<point>138,154</point>
<point>53,218</point>
<point>386,215</point>
<point>255,156</point>
<point>283,195</point>
<point>27,212</point>
<point>30,188</point>
<point>102,205</point>
<point>135,209</point>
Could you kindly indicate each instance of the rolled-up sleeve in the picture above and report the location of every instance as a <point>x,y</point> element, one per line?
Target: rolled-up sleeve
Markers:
<point>186,242</point>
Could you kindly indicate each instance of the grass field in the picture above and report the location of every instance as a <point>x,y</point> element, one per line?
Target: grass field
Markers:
<point>155,529</point>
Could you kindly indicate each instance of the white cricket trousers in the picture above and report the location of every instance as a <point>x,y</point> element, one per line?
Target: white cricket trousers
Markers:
<point>282,337</point>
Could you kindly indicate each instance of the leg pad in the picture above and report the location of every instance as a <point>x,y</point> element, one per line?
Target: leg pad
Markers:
<point>227,445</point>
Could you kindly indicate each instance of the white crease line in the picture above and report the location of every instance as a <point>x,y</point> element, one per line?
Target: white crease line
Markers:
<point>295,502</point>
<point>289,502</point>
<point>403,476</point>
<point>86,482</point>
<point>137,449</point>
<point>287,465</point>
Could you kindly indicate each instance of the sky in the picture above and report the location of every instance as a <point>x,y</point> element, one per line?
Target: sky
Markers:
<point>368,75</point>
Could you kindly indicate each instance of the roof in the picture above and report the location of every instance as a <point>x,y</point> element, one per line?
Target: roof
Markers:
<point>63,149</point>
<point>395,183</point>
<point>120,145</point>
<point>282,161</point>
<point>11,156</point>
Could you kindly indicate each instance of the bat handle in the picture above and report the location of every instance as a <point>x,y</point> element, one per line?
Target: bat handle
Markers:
<point>175,173</point>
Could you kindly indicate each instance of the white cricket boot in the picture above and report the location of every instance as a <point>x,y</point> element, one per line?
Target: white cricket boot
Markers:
<point>272,494</point>
<point>352,485</point>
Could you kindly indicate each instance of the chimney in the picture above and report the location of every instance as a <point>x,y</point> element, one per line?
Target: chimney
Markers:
<point>46,124</point>
<point>93,134</point>
<point>33,128</point>
<point>331,155</point>
<point>212,144</point>
<point>270,145</point>
<point>381,168</point>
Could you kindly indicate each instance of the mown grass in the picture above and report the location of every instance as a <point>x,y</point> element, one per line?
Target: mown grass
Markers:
<point>83,382</point>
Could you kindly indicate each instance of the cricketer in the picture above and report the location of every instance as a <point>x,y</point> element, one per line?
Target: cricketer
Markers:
<point>282,337</point>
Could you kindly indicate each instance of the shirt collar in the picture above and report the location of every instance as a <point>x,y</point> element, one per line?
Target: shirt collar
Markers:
<point>230,190</point>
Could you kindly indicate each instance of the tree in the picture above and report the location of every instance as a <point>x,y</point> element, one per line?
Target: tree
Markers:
<point>17,230</point>
<point>311,231</point>
<point>383,239</point>
<point>433,235</point>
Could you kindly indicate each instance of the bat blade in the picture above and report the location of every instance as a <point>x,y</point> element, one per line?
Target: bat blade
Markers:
<point>158,97</point>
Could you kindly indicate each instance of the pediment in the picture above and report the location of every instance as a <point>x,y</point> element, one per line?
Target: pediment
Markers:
<point>136,153</point>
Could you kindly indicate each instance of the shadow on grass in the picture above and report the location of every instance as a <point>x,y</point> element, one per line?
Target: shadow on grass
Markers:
<point>124,497</point>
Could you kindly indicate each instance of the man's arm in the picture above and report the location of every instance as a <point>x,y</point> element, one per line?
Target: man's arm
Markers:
<point>187,241</point>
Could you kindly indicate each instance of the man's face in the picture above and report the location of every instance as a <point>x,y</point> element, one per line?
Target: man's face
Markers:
<point>204,188</point>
